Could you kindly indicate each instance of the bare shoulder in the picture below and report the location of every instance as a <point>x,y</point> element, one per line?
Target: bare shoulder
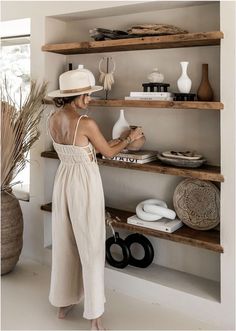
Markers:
<point>89,122</point>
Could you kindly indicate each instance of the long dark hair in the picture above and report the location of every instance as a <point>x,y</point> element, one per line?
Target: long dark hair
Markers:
<point>62,101</point>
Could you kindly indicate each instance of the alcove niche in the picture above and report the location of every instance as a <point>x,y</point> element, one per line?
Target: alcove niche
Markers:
<point>180,274</point>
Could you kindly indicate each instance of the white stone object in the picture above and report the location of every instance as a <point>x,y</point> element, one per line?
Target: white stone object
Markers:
<point>120,126</point>
<point>155,76</point>
<point>153,210</point>
<point>184,83</point>
<point>160,211</point>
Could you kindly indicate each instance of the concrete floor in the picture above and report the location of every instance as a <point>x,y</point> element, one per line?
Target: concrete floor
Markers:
<point>25,306</point>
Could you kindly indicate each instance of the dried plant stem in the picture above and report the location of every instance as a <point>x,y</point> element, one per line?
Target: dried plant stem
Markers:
<point>19,130</point>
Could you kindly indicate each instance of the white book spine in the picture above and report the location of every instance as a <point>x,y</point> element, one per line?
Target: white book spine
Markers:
<point>164,224</point>
<point>150,98</point>
<point>151,94</point>
<point>130,160</point>
<point>136,156</point>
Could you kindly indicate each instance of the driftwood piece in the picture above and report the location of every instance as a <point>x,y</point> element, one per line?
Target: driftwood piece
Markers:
<point>155,29</point>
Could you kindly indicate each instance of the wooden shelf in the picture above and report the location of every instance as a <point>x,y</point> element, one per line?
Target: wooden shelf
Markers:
<point>206,172</point>
<point>211,38</point>
<point>47,207</point>
<point>50,154</point>
<point>204,239</point>
<point>201,105</point>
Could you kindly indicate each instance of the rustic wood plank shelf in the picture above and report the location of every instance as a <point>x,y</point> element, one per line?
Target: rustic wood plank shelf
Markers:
<point>204,239</point>
<point>201,105</point>
<point>211,38</point>
<point>206,172</point>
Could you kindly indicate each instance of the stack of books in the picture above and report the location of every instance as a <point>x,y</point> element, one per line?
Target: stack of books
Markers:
<point>164,96</point>
<point>140,157</point>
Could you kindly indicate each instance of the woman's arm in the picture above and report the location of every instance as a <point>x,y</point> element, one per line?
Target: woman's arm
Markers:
<point>111,143</point>
<point>100,143</point>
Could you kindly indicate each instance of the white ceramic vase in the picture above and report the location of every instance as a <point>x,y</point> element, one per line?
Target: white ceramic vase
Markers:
<point>120,126</point>
<point>184,83</point>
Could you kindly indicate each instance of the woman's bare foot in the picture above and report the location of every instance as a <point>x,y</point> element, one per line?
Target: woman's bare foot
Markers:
<point>96,324</point>
<point>63,311</point>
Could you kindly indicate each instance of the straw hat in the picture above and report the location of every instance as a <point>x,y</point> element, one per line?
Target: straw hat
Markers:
<point>75,82</point>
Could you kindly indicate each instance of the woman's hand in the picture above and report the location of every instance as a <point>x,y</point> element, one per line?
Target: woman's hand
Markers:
<point>134,134</point>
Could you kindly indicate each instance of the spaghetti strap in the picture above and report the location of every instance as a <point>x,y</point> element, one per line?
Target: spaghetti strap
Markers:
<point>76,128</point>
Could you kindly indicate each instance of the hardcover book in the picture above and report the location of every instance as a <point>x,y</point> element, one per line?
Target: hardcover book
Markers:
<point>150,98</point>
<point>151,94</point>
<point>131,160</point>
<point>137,155</point>
<point>163,224</point>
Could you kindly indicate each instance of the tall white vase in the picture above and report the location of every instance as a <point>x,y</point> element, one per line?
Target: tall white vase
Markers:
<point>184,82</point>
<point>120,126</point>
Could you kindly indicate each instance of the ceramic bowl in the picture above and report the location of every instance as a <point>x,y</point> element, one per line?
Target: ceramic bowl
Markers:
<point>181,162</point>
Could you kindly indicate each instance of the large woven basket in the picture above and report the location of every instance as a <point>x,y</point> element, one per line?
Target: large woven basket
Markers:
<point>11,232</point>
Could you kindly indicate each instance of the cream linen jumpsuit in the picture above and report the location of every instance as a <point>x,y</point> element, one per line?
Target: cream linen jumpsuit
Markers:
<point>78,230</point>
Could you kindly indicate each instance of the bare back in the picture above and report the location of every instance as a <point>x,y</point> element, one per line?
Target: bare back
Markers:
<point>64,129</point>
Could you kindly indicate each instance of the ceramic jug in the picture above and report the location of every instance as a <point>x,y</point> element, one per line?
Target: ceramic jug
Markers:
<point>184,83</point>
<point>137,144</point>
<point>120,126</point>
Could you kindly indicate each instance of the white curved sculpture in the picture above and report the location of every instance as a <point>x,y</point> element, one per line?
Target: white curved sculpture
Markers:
<point>153,210</point>
<point>161,211</point>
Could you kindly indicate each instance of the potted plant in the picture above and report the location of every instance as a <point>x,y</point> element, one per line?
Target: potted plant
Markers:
<point>19,131</point>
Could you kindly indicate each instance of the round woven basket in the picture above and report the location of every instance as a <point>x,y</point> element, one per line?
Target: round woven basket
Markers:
<point>11,232</point>
<point>197,204</point>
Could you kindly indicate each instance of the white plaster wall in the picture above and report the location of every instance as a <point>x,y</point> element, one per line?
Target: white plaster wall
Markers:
<point>164,129</point>
<point>228,90</point>
<point>42,171</point>
<point>37,11</point>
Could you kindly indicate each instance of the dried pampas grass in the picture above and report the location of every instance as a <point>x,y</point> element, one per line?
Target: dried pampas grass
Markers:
<point>19,130</point>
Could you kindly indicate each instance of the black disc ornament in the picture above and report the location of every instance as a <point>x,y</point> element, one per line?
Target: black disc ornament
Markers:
<point>125,251</point>
<point>148,250</point>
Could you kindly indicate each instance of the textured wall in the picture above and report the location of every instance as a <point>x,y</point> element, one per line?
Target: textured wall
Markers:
<point>164,129</point>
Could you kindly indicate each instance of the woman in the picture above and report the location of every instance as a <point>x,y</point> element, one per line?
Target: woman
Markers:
<point>78,209</point>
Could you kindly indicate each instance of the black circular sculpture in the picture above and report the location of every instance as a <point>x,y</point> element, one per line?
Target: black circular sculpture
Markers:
<point>147,246</point>
<point>125,245</point>
<point>120,242</point>
<point>184,96</point>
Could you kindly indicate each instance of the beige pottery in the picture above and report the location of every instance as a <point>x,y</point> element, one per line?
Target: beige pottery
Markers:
<point>135,145</point>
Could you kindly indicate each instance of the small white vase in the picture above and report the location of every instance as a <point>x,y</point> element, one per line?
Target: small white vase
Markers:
<point>120,126</point>
<point>184,82</point>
